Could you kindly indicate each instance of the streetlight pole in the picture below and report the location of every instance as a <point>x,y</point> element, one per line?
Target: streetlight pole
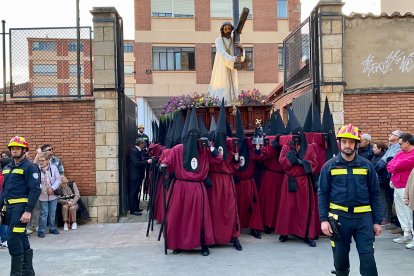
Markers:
<point>78,65</point>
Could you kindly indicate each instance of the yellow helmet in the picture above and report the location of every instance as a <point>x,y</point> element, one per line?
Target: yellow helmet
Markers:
<point>349,131</point>
<point>141,126</point>
<point>18,141</point>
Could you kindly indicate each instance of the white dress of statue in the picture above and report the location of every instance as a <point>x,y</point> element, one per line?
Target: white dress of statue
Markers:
<point>224,81</point>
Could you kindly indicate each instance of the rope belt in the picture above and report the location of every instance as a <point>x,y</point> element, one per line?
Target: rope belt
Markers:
<point>17,200</point>
<point>356,209</point>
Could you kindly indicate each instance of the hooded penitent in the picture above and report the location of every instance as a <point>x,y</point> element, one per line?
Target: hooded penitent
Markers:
<point>162,132</point>
<point>313,120</point>
<point>213,127</point>
<point>202,128</point>
<point>297,130</point>
<point>187,121</point>
<point>243,146</point>
<point>178,129</point>
<point>221,132</point>
<point>328,128</point>
<point>170,134</point>
<point>190,142</point>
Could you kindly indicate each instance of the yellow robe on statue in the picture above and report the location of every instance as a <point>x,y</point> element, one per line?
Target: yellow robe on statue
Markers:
<point>224,81</point>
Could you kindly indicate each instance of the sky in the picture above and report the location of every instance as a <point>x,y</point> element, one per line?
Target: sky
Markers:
<point>62,13</point>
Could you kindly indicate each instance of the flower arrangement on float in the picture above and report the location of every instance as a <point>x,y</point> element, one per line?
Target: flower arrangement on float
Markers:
<point>178,103</point>
<point>252,97</point>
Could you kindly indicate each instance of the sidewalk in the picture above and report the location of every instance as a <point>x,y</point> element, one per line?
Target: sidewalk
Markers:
<point>123,249</point>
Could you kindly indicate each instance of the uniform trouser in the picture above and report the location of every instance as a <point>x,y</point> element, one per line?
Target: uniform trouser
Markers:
<point>361,229</point>
<point>134,189</point>
<point>404,212</point>
<point>17,240</point>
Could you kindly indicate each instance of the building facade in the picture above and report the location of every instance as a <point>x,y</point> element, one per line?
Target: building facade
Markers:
<point>174,45</point>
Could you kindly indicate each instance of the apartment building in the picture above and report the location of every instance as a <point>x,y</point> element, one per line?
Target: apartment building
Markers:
<point>174,46</point>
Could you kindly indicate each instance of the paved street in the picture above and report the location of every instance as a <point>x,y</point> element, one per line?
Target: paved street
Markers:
<point>123,249</point>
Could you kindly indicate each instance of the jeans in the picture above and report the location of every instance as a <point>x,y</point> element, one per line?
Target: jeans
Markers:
<point>3,233</point>
<point>47,209</point>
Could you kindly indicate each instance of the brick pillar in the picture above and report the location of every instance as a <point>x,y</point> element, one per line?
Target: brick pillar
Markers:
<point>203,62</point>
<point>103,207</point>
<point>143,63</point>
<point>294,14</point>
<point>264,18</point>
<point>266,68</point>
<point>331,58</point>
<point>202,15</point>
<point>142,13</point>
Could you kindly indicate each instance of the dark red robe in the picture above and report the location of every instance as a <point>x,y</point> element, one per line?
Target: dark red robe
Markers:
<point>270,186</point>
<point>158,204</point>
<point>248,202</point>
<point>222,199</point>
<point>297,215</point>
<point>188,217</point>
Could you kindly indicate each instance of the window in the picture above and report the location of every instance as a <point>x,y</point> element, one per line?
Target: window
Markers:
<point>173,59</point>
<point>128,48</point>
<point>45,69</point>
<point>172,8</point>
<point>72,47</point>
<point>129,69</point>
<point>73,91</point>
<point>282,9</point>
<point>280,57</point>
<point>44,46</point>
<point>73,69</point>
<point>45,91</point>
<point>224,8</point>
<point>129,91</point>
<point>248,51</point>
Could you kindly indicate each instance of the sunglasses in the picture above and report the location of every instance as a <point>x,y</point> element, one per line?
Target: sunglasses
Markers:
<point>49,149</point>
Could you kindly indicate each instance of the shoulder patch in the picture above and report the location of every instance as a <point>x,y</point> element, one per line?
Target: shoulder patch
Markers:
<point>35,175</point>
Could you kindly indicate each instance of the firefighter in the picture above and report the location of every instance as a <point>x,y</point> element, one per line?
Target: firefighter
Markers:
<point>349,204</point>
<point>21,190</point>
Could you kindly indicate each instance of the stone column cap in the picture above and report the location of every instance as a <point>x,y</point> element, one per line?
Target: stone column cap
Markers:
<point>329,3</point>
<point>97,10</point>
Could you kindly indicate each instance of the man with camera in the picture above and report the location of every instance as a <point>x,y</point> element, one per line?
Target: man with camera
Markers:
<point>349,204</point>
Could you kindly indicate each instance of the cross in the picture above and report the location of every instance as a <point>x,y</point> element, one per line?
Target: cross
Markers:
<point>194,163</point>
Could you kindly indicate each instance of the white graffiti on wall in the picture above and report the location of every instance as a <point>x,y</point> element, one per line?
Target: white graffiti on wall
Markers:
<point>396,60</point>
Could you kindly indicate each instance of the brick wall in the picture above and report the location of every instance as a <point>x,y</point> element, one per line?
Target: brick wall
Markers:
<point>380,114</point>
<point>294,14</point>
<point>66,125</point>
<point>143,61</point>
<point>203,62</point>
<point>142,15</point>
<point>266,69</point>
<point>264,18</point>
<point>202,15</point>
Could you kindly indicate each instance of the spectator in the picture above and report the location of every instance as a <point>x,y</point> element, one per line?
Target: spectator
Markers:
<point>400,167</point>
<point>144,136</point>
<point>365,147</point>
<point>69,197</point>
<point>54,159</point>
<point>3,225</point>
<point>49,182</point>
<point>5,154</point>
<point>385,190</point>
<point>409,200</point>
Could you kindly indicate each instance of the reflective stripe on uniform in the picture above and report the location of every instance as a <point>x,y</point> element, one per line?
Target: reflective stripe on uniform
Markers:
<point>338,207</point>
<point>18,171</point>
<point>338,171</point>
<point>17,200</point>
<point>334,216</point>
<point>332,243</point>
<point>362,209</point>
<point>359,209</point>
<point>6,171</point>
<point>18,229</point>
<point>360,171</point>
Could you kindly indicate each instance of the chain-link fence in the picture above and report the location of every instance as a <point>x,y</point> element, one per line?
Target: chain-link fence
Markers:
<point>45,62</point>
<point>297,56</point>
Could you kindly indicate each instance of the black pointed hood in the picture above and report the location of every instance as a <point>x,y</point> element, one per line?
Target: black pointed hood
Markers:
<point>221,132</point>
<point>293,122</point>
<point>307,125</point>
<point>316,120</point>
<point>190,144</point>
<point>244,152</point>
<point>170,134</point>
<point>266,127</point>
<point>272,128</point>
<point>280,126</point>
<point>213,128</point>
<point>187,121</point>
<point>178,128</point>
<point>162,132</point>
<point>229,132</point>
<point>202,128</point>
<point>328,128</point>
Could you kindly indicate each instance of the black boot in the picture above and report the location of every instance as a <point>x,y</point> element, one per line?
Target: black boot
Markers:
<point>283,238</point>
<point>255,234</point>
<point>205,251</point>
<point>27,269</point>
<point>340,272</point>
<point>309,242</point>
<point>236,244</point>
<point>269,230</point>
<point>16,265</point>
